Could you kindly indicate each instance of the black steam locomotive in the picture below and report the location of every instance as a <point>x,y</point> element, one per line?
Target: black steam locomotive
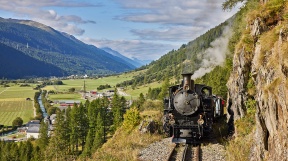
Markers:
<point>190,110</point>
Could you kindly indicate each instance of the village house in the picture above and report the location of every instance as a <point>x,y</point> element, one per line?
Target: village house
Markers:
<point>32,122</point>
<point>33,131</point>
<point>67,103</point>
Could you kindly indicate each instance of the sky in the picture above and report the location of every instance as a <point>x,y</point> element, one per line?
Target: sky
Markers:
<point>142,29</point>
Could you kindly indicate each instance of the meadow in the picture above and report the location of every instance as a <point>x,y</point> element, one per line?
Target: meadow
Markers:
<point>13,104</point>
<point>92,84</point>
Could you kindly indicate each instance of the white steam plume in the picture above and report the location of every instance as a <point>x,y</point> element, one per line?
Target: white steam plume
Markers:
<point>215,55</point>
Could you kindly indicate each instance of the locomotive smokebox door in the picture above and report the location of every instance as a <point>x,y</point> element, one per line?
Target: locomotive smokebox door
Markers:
<point>186,103</point>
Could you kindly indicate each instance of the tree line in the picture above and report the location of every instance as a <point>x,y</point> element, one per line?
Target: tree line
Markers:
<point>79,131</point>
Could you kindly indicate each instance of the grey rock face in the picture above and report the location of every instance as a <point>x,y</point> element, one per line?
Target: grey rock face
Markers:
<point>269,71</point>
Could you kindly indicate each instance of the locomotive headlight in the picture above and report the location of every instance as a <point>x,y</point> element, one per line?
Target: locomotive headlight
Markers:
<point>200,120</point>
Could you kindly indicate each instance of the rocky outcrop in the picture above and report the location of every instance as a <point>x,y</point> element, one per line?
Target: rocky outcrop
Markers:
<point>272,103</point>
<point>257,27</point>
<point>238,82</point>
<point>269,71</point>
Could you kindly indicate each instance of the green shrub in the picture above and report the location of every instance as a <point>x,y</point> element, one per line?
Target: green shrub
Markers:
<point>131,119</point>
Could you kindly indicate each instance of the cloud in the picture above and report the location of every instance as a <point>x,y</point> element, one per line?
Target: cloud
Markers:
<point>174,12</point>
<point>175,33</point>
<point>179,19</point>
<point>35,11</point>
<point>133,48</point>
<point>44,3</point>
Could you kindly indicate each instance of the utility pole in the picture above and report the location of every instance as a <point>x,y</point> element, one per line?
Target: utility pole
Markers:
<point>84,90</point>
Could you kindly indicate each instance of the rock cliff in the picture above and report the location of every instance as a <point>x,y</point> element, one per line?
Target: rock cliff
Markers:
<point>266,65</point>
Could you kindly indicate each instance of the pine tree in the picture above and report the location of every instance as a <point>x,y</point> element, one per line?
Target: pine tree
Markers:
<point>6,156</point>
<point>99,137</point>
<point>164,88</point>
<point>92,118</point>
<point>43,140</point>
<point>141,98</point>
<point>58,147</point>
<point>74,127</point>
<point>37,155</point>
<point>83,126</point>
<point>88,144</point>
<point>1,149</point>
<point>116,110</point>
<point>123,105</point>
<point>68,127</point>
<point>14,152</point>
<point>107,116</point>
<point>28,150</point>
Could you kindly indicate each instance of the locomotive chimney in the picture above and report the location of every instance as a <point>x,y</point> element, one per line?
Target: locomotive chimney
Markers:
<point>187,82</point>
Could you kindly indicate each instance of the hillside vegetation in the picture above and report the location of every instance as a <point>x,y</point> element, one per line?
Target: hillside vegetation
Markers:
<point>15,64</point>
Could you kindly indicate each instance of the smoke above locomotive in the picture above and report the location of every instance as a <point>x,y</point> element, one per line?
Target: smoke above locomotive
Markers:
<point>190,110</point>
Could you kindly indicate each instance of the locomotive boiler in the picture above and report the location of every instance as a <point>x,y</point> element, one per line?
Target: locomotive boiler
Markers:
<point>190,110</point>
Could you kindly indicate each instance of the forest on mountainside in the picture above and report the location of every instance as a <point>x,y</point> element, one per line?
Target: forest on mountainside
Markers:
<point>16,64</point>
<point>59,49</point>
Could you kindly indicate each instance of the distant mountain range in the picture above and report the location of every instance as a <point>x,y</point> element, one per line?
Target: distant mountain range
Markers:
<point>127,60</point>
<point>54,53</point>
<point>143,62</point>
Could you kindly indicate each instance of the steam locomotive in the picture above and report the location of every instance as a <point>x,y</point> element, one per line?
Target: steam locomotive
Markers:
<point>190,110</point>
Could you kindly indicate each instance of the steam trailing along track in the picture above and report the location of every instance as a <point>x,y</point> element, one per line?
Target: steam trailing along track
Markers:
<point>190,110</point>
<point>186,152</point>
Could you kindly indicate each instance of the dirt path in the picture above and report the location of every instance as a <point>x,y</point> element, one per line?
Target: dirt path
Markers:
<point>4,90</point>
<point>121,92</point>
<point>34,109</point>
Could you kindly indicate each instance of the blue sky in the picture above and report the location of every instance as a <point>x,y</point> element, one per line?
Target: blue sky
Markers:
<point>144,29</point>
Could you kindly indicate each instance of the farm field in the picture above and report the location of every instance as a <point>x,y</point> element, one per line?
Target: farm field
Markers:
<point>91,84</point>
<point>72,96</point>
<point>13,104</point>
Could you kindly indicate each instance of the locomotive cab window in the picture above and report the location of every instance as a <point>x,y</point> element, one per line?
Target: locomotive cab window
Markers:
<point>205,91</point>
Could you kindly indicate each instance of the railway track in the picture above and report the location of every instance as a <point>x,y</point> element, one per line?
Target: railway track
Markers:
<point>184,152</point>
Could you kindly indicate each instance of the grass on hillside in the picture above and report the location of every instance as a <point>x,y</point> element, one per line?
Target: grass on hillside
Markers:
<point>130,143</point>
<point>141,89</point>
<point>239,148</point>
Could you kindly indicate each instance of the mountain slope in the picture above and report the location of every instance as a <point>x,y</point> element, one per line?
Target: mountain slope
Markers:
<point>14,64</point>
<point>142,62</point>
<point>133,64</point>
<point>60,49</point>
